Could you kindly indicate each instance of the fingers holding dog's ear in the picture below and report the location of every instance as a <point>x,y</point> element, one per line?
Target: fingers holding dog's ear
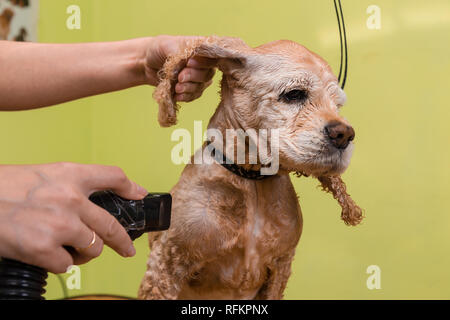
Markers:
<point>198,57</point>
<point>191,87</point>
<point>201,62</point>
<point>192,82</point>
<point>195,75</point>
<point>189,91</point>
<point>188,97</point>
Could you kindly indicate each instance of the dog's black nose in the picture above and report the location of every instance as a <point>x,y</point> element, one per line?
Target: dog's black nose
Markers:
<point>339,134</point>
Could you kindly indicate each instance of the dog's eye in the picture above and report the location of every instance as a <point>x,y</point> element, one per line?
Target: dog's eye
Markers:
<point>294,96</point>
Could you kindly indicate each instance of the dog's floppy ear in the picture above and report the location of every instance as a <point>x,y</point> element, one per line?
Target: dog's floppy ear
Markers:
<point>352,214</point>
<point>230,52</point>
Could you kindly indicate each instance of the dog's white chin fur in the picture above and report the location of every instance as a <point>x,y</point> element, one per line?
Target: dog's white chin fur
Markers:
<point>334,162</point>
<point>327,162</point>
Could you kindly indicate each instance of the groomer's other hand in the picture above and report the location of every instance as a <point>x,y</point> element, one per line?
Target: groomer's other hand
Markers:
<point>45,207</point>
<point>193,79</point>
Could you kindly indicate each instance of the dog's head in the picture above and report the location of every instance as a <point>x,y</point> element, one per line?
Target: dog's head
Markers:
<point>279,85</point>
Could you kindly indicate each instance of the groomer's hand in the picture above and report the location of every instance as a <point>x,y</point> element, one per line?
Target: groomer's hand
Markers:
<point>193,79</point>
<point>44,208</point>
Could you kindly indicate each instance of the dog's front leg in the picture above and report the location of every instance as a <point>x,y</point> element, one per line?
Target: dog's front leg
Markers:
<point>168,270</point>
<point>278,275</point>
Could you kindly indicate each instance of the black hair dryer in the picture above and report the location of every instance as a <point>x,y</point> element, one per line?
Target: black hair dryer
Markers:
<point>20,281</point>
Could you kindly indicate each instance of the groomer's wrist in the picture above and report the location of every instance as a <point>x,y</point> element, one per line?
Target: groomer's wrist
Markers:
<point>137,56</point>
<point>140,46</point>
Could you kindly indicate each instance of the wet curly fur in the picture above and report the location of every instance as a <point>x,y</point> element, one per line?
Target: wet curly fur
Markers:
<point>352,214</point>
<point>234,238</point>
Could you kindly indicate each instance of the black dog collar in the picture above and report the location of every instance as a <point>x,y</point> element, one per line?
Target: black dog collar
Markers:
<point>236,169</point>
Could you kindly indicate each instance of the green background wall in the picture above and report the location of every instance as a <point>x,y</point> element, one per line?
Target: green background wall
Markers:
<point>397,102</point>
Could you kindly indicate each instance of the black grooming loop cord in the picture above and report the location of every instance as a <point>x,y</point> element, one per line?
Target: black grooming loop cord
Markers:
<point>343,42</point>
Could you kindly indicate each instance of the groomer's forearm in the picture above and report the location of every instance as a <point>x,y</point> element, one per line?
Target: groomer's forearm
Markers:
<point>34,75</point>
